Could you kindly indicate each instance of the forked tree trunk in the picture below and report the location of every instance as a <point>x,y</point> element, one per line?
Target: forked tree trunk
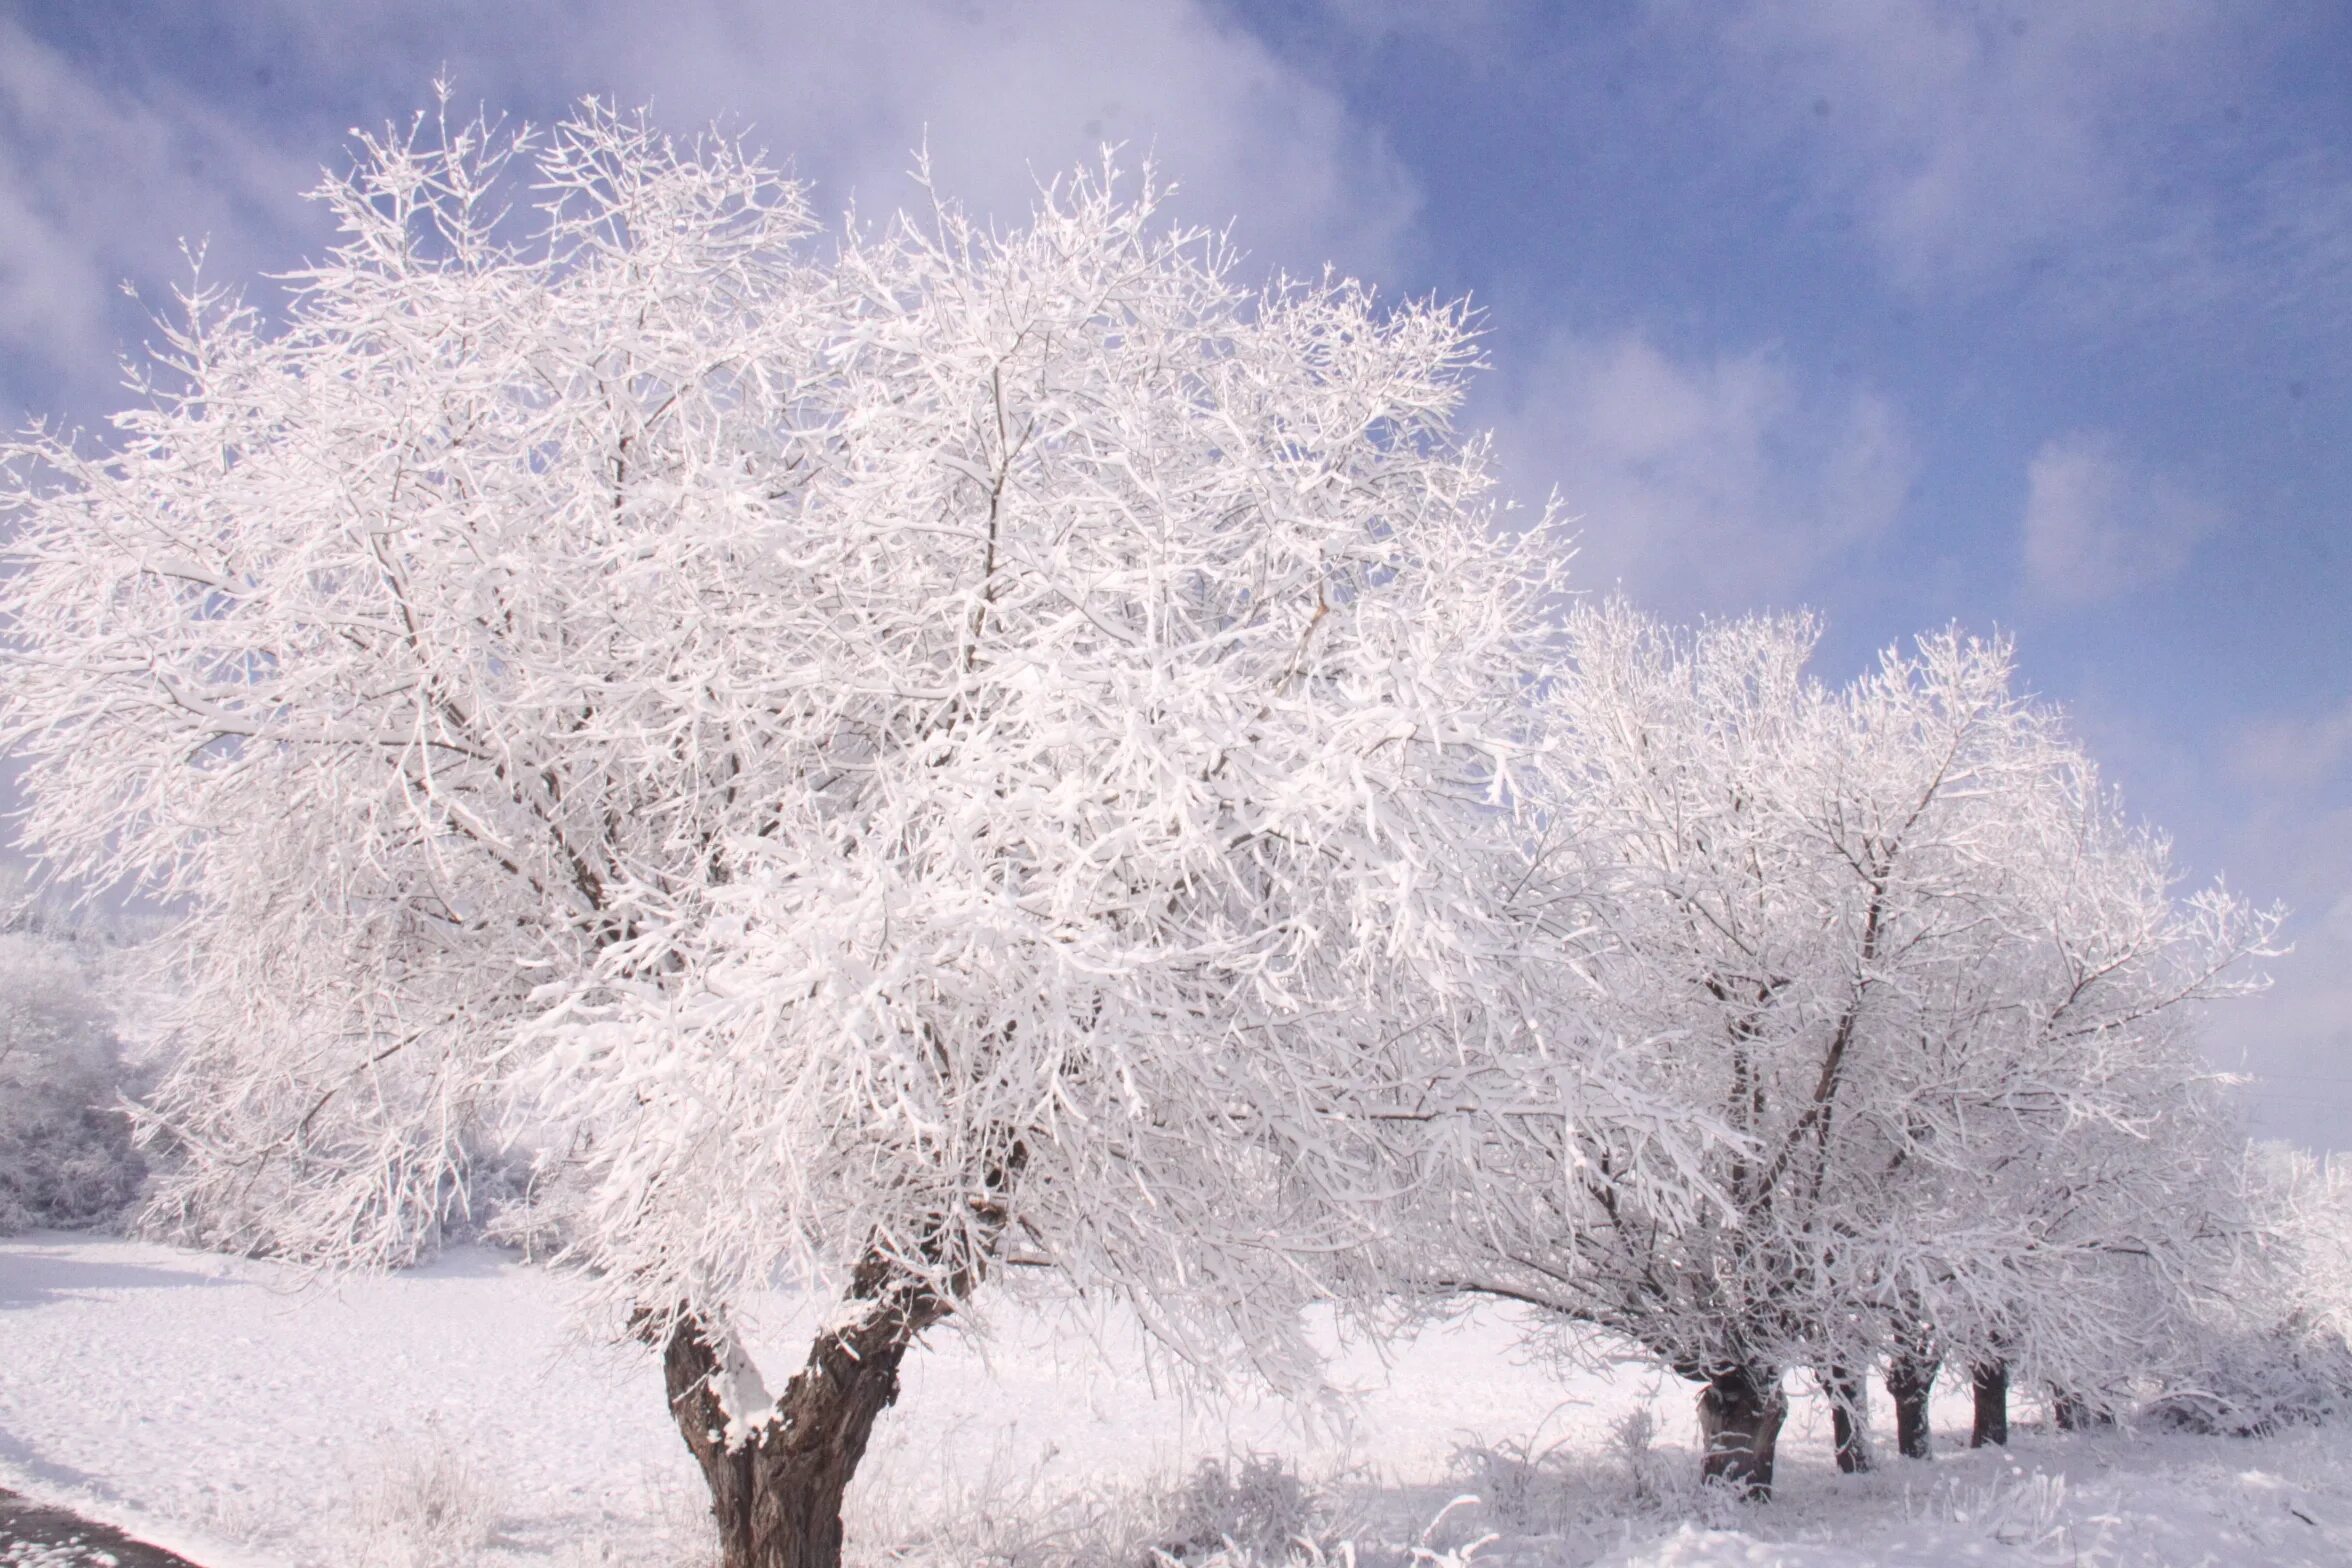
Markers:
<point>776,1494</point>
<point>1991,1384</point>
<point>1740,1412</point>
<point>1909,1382</point>
<point>1849,1418</point>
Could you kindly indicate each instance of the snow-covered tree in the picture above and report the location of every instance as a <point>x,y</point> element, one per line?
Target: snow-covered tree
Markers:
<point>2269,1341</point>
<point>2063,1188</point>
<point>69,985</point>
<point>2302,1206</point>
<point>65,1144</point>
<point>876,752</point>
<point>1889,939</point>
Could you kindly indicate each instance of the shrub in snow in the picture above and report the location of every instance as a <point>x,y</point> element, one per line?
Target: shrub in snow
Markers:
<point>1633,1440</point>
<point>1519,1486</point>
<point>2270,1348</point>
<point>525,1201</point>
<point>2299,1212</point>
<point>926,1511</point>
<point>1257,1511</point>
<point>2023,1511</point>
<point>66,1157</point>
<point>2250,1385</point>
<point>2241,1381</point>
<point>671,1531</point>
<point>423,1506</point>
<point>1307,1551</point>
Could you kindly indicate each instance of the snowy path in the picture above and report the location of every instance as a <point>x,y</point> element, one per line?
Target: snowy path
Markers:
<point>228,1412</point>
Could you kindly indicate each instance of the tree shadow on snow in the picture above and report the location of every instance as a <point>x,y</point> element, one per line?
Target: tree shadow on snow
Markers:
<point>35,1276</point>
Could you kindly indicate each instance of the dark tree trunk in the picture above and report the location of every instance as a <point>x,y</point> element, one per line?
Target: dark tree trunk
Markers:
<point>776,1494</point>
<point>1849,1418</point>
<point>1909,1382</point>
<point>1740,1411</point>
<point>1991,1383</point>
<point>2077,1414</point>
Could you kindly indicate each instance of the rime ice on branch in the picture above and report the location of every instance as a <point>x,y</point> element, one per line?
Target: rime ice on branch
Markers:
<point>873,753</point>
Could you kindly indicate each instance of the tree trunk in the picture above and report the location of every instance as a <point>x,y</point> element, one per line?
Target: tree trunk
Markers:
<point>1740,1411</point>
<point>1991,1383</point>
<point>776,1492</point>
<point>2077,1414</point>
<point>1909,1382</point>
<point>1849,1418</point>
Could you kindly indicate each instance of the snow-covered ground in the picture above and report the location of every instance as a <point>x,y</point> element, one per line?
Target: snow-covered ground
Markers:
<point>231,1411</point>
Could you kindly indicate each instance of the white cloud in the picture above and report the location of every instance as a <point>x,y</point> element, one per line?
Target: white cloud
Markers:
<point>97,187</point>
<point>1708,484</point>
<point>1977,141</point>
<point>1005,93</point>
<point>2096,526</point>
<point>1011,93</point>
<point>2294,754</point>
<point>97,184</point>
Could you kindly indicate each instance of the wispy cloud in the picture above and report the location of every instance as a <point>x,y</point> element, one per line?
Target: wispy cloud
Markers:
<point>1973,135</point>
<point>98,183</point>
<point>2104,151</point>
<point>2295,841</point>
<point>98,186</point>
<point>1007,94</point>
<point>2097,526</point>
<point>1710,483</point>
<point>2294,754</point>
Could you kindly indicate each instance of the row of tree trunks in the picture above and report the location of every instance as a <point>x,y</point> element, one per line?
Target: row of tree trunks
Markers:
<point>776,1494</point>
<point>1741,1411</point>
<point>1910,1382</point>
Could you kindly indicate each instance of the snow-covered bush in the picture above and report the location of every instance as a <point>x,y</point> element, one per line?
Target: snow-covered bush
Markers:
<point>2023,1512</point>
<point>2249,1383</point>
<point>1519,1485</point>
<point>423,1505</point>
<point>669,1530</point>
<point>1633,1439</point>
<point>1311,1551</point>
<point>2270,1350</point>
<point>2300,1209</point>
<point>523,1201</point>
<point>1257,1510</point>
<point>1006,1512</point>
<point>66,1157</point>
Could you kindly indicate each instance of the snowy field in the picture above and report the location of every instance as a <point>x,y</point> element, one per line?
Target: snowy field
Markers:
<point>231,1412</point>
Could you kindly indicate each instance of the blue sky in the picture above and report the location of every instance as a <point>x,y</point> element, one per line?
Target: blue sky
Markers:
<point>2034,317</point>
